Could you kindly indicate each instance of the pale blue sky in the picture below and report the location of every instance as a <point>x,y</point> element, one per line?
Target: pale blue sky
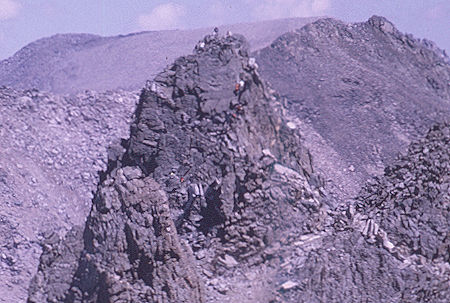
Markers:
<point>23,21</point>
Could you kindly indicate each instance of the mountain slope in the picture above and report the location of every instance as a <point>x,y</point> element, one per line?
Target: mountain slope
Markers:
<point>74,62</point>
<point>358,92</point>
<point>219,183</point>
<point>53,148</point>
<point>214,200</point>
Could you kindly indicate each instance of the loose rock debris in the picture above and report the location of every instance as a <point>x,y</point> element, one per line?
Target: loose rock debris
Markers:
<point>214,194</point>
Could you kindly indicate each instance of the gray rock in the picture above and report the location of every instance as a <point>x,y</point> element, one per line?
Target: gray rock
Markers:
<point>228,261</point>
<point>214,192</point>
<point>215,184</point>
<point>358,92</point>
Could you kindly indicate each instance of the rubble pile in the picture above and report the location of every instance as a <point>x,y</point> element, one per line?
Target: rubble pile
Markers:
<point>52,148</point>
<point>391,244</point>
<point>411,202</point>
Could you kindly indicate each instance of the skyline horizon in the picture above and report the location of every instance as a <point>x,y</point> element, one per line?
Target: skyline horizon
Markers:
<point>22,22</point>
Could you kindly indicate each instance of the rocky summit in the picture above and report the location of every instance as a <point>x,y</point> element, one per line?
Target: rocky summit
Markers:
<point>313,170</point>
<point>210,134</point>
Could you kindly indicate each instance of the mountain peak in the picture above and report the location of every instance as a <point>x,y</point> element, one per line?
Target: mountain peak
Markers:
<point>210,133</point>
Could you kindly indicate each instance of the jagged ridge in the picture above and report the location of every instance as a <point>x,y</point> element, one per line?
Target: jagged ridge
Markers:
<point>234,172</point>
<point>238,195</point>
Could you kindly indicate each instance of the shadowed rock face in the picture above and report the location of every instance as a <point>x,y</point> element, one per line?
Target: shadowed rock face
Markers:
<point>359,92</point>
<point>72,63</point>
<point>235,176</point>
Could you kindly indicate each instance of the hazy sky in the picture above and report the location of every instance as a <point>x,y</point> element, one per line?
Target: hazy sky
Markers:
<point>23,21</point>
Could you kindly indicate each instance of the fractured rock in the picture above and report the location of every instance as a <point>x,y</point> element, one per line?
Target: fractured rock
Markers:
<point>212,155</point>
<point>131,252</point>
